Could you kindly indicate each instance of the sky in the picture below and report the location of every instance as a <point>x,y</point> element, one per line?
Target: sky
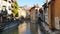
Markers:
<point>30,2</point>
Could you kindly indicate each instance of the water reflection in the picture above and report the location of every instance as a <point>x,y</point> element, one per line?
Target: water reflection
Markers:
<point>33,28</point>
<point>29,28</point>
<point>26,27</point>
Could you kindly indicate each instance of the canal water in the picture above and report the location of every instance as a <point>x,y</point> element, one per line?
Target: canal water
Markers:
<point>26,27</point>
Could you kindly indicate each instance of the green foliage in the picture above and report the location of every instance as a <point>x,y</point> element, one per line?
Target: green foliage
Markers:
<point>15,9</point>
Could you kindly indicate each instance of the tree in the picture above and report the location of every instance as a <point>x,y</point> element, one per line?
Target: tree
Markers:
<point>15,9</point>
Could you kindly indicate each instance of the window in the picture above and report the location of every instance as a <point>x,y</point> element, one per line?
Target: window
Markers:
<point>5,0</point>
<point>12,6</point>
<point>4,6</point>
<point>12,0</point>
<point>9,8</point>
<point>9,1</point>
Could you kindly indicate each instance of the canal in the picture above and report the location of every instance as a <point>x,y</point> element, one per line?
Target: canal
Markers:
<point>26,27</point>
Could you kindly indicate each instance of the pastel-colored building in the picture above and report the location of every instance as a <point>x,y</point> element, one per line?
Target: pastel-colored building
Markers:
<point>22,12</point>
<point>34,12</point>
<point>53,14</point>
<point>7,4</point>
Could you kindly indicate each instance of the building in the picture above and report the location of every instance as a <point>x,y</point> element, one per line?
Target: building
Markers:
<point>22,12</point>
<point>53,13</point>
<point>7,4</point>
<point>34,12</point>
<point>1,5</point>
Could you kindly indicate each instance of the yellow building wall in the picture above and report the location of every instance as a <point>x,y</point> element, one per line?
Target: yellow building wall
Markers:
<point>57,8</point>
<point>57,13</point>
<point>53,12</point>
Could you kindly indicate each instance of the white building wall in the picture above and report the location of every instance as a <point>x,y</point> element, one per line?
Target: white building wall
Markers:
<point>7,4</point>
<point>0,5</point>
<point>22,12</point>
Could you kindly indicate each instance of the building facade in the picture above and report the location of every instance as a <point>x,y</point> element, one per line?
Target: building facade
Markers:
<point>34,13</point>
<point>7,4</point>
<point>53,14</point>
<point>22,12</point>
<point>56,12</point>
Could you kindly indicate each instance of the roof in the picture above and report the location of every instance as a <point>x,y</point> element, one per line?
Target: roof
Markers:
<point>29,7</point>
